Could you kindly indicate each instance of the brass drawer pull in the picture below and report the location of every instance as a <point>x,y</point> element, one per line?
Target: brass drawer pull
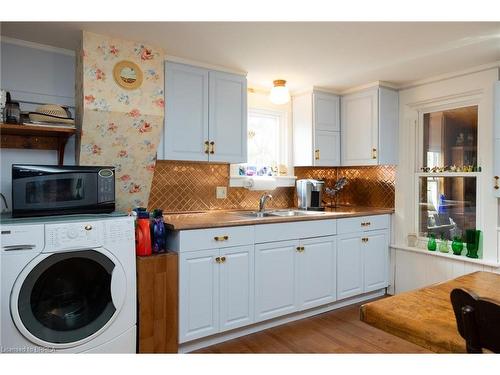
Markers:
<point>364,239</point>
<point>496,187</point>
<point>221,238</point>
<point>366,224</point>
<point>88,227</point>
<point>207,147</point>
<point>212,147</point>
<point>300,249</point>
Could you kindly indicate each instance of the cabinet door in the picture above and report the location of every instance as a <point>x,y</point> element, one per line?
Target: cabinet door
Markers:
<point>349,266</point>
<point>186,113</point>
<point>326,112</point>
<point>236,287</point>
<point>496,121</point>
<point>375,260</point>
<point>228,117</point>
<point>198,294</point>
<point>359,114</point>
<point>275,279</point>
<point>327,148</point>
<point>317,272</point>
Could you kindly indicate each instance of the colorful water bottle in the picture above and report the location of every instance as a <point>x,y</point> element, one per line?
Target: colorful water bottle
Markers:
<point>158,233</point>
<point>142,234</point>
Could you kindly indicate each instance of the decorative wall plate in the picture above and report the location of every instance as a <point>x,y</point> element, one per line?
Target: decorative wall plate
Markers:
<point>128,75</point>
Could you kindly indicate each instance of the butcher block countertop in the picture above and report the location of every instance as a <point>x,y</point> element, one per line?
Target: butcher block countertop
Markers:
<point>425,316</point>
<point>219,218</point>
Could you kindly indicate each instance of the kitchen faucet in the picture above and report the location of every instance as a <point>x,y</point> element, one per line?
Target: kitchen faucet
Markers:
<point>263,200</point>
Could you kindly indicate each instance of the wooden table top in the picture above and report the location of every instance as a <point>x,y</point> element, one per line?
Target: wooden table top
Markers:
<point>425,316</point>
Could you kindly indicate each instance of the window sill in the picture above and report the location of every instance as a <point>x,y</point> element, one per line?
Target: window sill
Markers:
<point>460,258</point>
<point>271,182</point>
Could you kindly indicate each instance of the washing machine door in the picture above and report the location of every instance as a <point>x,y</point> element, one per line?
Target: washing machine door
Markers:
<point>62,300</point>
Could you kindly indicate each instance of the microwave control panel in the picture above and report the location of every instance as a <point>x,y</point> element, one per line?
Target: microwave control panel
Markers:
<point>106,186</point>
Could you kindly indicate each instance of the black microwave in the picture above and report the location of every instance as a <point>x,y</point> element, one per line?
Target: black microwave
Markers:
<point>39,190</point>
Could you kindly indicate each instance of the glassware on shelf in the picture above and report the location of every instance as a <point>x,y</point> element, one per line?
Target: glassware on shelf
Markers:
<point>431,243</point>
<point>472,237</point>
<point>443,244</point>
<point>457,245</point>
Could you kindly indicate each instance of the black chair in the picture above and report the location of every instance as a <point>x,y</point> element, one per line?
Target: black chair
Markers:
<point>478,321</point>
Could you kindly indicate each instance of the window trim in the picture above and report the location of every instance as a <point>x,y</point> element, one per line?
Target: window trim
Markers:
<point>419,152</point>
<point>283,154</point>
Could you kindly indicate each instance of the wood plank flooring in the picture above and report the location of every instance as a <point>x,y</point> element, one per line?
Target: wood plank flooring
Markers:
<point>338,331</point>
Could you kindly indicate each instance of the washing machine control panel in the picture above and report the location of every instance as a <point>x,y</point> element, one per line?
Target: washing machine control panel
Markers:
<point>81,235</point>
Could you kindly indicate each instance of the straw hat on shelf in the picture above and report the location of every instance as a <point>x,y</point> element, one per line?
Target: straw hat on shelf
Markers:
<point>52,113</point>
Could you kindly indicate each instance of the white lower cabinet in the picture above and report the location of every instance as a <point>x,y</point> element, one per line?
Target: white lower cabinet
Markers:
<point>375,260</point>
<point>215,291</point>
<point>198,294</point>
<point>349,266</point>
<point>236,291</point>
<point>275,279</point>
<point>317,268</point>
<point>264,272</point>
<point>362,262</point>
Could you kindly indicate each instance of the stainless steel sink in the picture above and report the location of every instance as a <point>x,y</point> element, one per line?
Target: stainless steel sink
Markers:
<point>280,213</point>
<point>288,213</point>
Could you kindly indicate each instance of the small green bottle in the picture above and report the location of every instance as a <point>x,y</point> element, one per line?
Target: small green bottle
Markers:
<point>431,243</point>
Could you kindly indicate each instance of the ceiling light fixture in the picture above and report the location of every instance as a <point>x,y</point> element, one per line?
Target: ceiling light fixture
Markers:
<point>279,93</point>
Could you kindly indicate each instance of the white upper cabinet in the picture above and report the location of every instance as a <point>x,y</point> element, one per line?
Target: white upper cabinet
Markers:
<point>186,113</point>
<point>369,127</point>
<point>205,115</point>
<point>228,117</point>
<point>316,129</point>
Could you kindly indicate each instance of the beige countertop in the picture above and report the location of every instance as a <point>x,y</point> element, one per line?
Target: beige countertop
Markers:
<point>222,218</point>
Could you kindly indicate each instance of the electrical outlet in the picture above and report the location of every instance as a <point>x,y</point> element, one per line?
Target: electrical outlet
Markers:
<point>221,192</point>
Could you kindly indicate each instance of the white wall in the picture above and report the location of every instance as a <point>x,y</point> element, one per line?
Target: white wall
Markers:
<point>414,269</point>
<point>34,75</point>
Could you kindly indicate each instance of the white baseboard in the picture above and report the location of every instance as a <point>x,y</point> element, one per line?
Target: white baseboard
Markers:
<point>225,336</point>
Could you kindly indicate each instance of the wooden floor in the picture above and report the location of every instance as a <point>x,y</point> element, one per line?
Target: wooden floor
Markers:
<point>338,331</point>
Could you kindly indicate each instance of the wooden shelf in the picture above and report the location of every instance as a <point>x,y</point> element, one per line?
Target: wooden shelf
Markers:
<point>36,137</point>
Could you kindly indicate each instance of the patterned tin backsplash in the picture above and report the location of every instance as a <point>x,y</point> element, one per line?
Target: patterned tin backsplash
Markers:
<point>367,186</point>
<point>189,186</point>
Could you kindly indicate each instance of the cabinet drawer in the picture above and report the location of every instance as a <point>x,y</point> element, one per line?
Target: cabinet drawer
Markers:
<point>198,239</point>
<point>294,230</point>
<point>363,223</point>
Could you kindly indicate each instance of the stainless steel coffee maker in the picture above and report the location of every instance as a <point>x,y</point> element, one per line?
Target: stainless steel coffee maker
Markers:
<point>310,194</point>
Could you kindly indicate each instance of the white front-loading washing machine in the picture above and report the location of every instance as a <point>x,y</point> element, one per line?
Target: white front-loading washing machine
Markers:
<point>68,285</point>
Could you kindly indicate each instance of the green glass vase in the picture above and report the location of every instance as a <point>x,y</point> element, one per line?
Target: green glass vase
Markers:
<point>443,245</point>
<point>457,246</point>
<point>431,243</point>
<point>473,236</point>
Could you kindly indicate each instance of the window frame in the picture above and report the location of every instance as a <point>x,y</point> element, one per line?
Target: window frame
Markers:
<point>284,144</point>
<point>419,154</point>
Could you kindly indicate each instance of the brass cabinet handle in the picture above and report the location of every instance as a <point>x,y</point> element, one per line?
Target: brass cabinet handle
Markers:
<point>212,147</point>
<point>316,154</point>
<point>207,147</point>
<point>217,259</point>
<point>374,153</point>
<point>88,227</point>
<point>221,238</point>
<point>300,249</point>
<point>364,239</point>
<point>366,224</point>
<point>496,187</point>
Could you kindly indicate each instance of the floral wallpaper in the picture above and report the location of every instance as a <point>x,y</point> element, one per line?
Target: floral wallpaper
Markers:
<point>121,127</point>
